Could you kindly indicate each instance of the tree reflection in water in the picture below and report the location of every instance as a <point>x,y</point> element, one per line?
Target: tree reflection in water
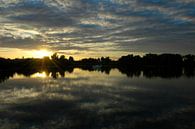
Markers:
<point>98,99</point>
<point>148,72</point>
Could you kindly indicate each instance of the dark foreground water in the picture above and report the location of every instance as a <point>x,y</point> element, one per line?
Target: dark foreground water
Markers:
<point>95,100</point>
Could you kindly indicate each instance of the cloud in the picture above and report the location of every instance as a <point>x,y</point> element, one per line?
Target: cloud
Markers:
<point>26,43</point>
<point>26,101</point>
<point>83,25</point>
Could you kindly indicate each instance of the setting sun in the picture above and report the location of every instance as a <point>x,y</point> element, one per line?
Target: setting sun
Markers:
<point>41,53</point>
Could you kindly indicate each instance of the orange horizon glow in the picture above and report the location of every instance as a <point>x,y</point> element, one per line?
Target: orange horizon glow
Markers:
<point>41,53</point>
<point>13,53</point>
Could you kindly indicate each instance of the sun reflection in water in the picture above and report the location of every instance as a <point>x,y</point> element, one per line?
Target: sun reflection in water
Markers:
<point>39,75</point>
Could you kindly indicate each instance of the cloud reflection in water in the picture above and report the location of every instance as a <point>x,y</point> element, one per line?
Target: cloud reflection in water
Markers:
<point>93,100</point>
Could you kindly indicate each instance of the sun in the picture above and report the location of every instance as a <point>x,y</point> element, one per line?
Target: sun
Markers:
<point>41,53</point>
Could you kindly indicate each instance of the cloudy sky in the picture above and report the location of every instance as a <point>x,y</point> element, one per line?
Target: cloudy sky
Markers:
<point>84,28</point>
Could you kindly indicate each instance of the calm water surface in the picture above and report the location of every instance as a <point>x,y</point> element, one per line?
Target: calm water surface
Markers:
<point>95,100</point>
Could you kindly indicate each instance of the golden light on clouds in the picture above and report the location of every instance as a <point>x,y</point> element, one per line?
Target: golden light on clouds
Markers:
<point>24,53</point>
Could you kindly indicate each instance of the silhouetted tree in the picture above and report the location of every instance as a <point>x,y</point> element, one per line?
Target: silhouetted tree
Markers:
<point>105,60</point>
<point>63,62</point>
<point>150,60</point>
<point>71,59</point>
<point>189,60</point>
<point>62,57</point>
<point>163,65</point>
<point>54,57</point>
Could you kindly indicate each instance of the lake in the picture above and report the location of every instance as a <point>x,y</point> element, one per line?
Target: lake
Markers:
<point>83,99</point>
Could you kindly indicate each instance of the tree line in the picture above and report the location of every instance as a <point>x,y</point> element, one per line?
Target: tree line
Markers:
<point>126,62</point>
<point>150,65</point>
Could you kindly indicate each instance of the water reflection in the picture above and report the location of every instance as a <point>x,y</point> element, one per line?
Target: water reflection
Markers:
<point>90,99</point>
<point>131,72</point>
<point>39,75</point>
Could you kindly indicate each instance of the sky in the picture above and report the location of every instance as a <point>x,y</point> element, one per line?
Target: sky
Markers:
<point>95,28</point>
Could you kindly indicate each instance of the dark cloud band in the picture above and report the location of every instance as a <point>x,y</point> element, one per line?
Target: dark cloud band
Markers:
<point>106,25</point>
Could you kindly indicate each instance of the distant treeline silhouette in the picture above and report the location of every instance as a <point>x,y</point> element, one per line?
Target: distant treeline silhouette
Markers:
<point>162,65</point>
<point>129,61</point>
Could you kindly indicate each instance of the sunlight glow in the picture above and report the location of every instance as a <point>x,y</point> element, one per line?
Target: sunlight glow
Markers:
<point>39,75</point>
<point>41,53</point>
